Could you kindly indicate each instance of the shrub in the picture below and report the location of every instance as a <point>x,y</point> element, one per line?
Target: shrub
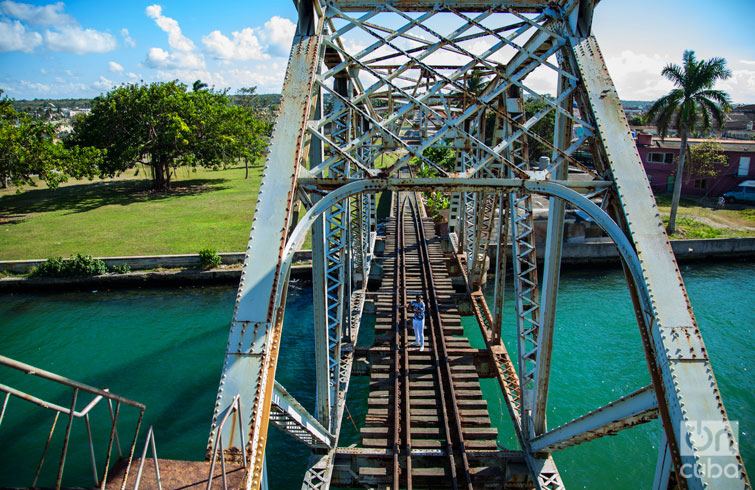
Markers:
<point>49,268</point>
<point>81,265</point>
<point>86,265</point>
<point>209,258</point>
<point>120,269</point>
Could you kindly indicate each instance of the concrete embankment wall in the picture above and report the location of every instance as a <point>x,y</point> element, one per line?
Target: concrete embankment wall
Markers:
<point>149,262</point>
<point>143,275</point>
<point>604,252</point>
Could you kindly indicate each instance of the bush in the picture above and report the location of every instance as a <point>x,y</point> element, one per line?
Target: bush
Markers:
<point>120,269</point>
<point>81,265</point>
<point>209,258</point>
<point>50,268</point>
<point>86,265</point>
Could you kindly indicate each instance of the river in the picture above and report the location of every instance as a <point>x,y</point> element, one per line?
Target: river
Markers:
<point>164,348</point>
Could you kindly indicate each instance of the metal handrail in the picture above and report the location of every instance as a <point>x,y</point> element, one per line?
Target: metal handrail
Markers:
<point>235,406</point>
<point>71,412</point>
<point>29,369</point>
<point>150,441</point>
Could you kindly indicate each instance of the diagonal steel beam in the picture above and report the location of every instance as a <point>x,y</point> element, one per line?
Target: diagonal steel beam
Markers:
<point>291,417</point>
<point>628,411</point>
<point>254,337</point>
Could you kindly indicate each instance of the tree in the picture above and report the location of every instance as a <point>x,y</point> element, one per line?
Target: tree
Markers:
<point>164,126</point>
<point>248,98</point>
<point>637,121</point>
<point>706,160</point>
<point>28,148</point>
<point>693,102</point>
<point>543,128</point>
<point>198,85</point>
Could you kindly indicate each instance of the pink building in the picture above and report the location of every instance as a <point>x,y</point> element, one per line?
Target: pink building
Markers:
<point>659,158</point>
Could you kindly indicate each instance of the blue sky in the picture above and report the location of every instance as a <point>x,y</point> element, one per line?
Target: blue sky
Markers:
<point>83,48</point>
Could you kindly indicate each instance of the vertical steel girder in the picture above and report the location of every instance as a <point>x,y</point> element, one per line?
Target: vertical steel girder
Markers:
<point>525,296</point>
<point>552,268</point>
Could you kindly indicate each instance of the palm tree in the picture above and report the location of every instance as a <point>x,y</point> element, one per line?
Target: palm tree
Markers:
<point>693,102</point>
<point>198,85</point>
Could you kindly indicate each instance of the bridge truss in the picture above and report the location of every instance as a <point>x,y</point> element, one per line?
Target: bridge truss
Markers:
<point>372,86</point>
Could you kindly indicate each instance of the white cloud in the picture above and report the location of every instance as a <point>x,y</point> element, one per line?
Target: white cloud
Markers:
<point>127,39</point>
<point>14,37</point>
<point>542,80</point>
<point>637,76</point>
<point>60,79</point>
<point>47,15</point>
<point>244,46</point>
<point>211,78</point>
<point>43,71</point>
<point>114,67</point>
<point>747,62</point>
<point>103,84</point>
<point>175,38</point>
<point>279,33</point>
<point>74,39</point>
<point>132,75</point>
<point>183,55</point>
<point>159,58</point>
<point>266,78</point>
<point>63,34</point>
<point>69,73</point>
<point>34,86</point>
<point>741,85</point>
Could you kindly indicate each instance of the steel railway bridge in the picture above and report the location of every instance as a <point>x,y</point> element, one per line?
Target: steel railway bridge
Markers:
<point>370,87</point>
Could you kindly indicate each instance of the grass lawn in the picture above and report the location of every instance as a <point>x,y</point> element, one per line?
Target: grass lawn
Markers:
<point>206,209</point>
<point>698,218</point>
<point>121,216</point>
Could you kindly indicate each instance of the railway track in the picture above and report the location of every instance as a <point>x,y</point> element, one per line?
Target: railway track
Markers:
<point>425,407</point>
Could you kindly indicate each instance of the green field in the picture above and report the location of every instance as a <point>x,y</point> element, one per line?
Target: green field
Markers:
<point>206,209</point>
<point>122,216</point>
<point>698,218</point>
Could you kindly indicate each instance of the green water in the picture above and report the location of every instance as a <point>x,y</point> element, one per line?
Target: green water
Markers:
<point>165,348</point>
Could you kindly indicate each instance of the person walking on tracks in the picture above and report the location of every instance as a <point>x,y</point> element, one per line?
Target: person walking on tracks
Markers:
<point>418,308</point>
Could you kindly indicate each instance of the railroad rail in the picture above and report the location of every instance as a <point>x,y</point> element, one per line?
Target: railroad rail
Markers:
<point>437,433</point>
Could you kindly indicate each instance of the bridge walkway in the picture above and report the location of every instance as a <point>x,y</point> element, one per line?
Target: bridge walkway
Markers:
<point>441,382</point>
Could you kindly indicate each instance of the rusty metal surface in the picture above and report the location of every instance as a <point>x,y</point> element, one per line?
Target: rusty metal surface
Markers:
<point>630,410</point>
<point>175,475</point>
<point>253,342</point>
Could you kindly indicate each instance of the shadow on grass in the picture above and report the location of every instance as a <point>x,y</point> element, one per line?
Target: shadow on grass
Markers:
<point>81,198</point>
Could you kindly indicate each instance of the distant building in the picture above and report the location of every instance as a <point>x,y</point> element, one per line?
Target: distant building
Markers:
<point>659,159</point>
<point>740,123</point>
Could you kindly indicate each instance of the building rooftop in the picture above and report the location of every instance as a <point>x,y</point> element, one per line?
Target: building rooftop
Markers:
<point>727,144</point>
